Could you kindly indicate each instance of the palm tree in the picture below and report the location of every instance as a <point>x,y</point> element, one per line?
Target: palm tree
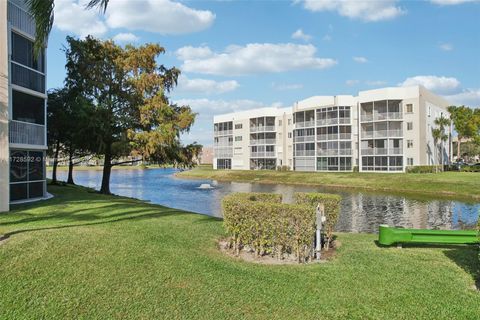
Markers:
<point>42,13</point>
<point>442,123</point>
<point>437,135</point>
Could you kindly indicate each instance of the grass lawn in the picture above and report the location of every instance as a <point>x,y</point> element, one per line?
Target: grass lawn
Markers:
<point>459,185</point>
<point>85,255</point>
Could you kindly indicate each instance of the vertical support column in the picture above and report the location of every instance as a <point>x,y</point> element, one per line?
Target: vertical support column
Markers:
<point>4,105</point>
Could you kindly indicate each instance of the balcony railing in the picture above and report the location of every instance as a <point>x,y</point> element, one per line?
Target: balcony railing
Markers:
<point>334,152</point>
<point>382,133</point>
<point>28,78</point>
<point>395,151</point>
<point>380,116</point>
<point>324,122</point>
<point>262,128</point>
<point>303,153</point>
<point>223,133</point>
<point>26,133</point>
<point>262,154</point>
<point>262,141</point>
<point>305,124</point>
<point>374,151</point>
<point>223,144</point>
<point>20,19</point>
<point>305,139</point>
<point>223,153</point>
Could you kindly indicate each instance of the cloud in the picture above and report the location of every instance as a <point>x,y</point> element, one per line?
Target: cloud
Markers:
<point>158,16</point>
<point>299,34</point>
<point>209,107</point>
<point>253,58</point>
<point>451,2</point>
<point>369,11</point>
<point>468,97</point>
<point>205,86</point>
<point>284,87</point>
<point>376,83</point>
<point>72,17</point>
<point>125,37</point>
<point>440,85</point>
<point>360,59</point>
<point>352,82</point>
<point>446,46</point>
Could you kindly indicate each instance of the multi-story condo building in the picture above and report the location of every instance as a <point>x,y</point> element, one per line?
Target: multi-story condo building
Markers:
<point>254,139</point>
<point>382,130</point>
<point>22,108</point>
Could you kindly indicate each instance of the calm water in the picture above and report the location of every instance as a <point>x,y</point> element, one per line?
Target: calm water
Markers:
<point>360,212</point>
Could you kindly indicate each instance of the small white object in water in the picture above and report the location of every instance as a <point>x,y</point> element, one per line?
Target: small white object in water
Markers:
<point>205,186</point>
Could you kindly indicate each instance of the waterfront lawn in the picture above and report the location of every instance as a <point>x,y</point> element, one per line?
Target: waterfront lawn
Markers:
<point>460,185</point>
<point>85,255</point>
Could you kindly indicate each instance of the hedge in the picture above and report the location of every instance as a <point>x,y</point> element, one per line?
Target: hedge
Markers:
<point>424,169</point>
<point>331,204</point>
<point>470,169</point>
<point>261,222</point>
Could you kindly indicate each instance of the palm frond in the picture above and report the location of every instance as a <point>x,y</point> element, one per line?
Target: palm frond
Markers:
<point>101,4</point>
<point>42,13</point>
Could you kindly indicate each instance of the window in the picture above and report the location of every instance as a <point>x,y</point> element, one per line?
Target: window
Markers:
<point>429,111</point>
<point>409,125</point>
<point>289,121</point>
<point>409,161</point>
<point>22,52</point>
<point>290,135</point>
<point>28,108</point>
<point>409,108</point>
<point>279,122</point>
<point>27,178</point>
<point>409,143</point>
<point>238,138</point>
<point>238,126</point>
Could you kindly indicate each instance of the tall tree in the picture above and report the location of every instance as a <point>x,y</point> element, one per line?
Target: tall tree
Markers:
<point>442,123</point>
<point>57,118</point>
<point>129,92</point>
<point>466,124</point>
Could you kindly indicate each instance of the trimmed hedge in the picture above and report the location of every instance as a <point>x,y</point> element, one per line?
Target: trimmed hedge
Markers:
<point>470,169</point>
<point>424,169</point>
<point>331,204</point>
<point>261,222</point>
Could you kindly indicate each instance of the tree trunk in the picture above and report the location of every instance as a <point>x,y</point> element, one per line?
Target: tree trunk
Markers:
<point>70,168</point>
<point>458,147</point>
<point>107,169</point>
<point>55,162</point>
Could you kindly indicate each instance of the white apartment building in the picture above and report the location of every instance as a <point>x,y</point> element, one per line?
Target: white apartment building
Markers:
<point>382,130</point>
<point>23,134</point>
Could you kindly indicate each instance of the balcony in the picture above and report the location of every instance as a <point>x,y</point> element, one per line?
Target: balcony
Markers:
<point>328,136</point>
<point>223,133</point>
<point>262,129</point>
<point>382,134</point>
<point>262,141</point>
<point>334,152</point>
<point>395,151</point>
<point>20,19</point>
<point>305,124</point>
<point>263,154</point>
<point>27,77</point>
<point>380,116</point>
<point>223,144</point>
<point>374,151</point>
<point>26,133</point>
<point>304,153</point>
<point>305,139</point>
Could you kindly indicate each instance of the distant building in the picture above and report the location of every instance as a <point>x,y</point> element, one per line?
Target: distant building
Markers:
<point>23,134</point>
<point>383,130</point>
<point>206,155</point>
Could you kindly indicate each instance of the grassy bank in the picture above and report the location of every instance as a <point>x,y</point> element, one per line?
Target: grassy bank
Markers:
<point>461,185</point>
<point>84,255</point>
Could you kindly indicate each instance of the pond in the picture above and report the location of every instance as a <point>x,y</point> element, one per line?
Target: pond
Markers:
<point>360,211</point>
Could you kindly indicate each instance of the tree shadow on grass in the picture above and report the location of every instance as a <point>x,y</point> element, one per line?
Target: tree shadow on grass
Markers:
<point>468,259</point>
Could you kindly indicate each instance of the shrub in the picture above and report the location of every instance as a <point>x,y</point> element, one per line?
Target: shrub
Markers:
<point>283,168</point>
<point>470,169</point>
<point>268,226</point>
<point>331,204</point>
<point>424,169</point>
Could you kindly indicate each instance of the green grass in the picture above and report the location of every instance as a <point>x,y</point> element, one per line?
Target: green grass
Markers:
<point>454,185</point>
<point>85,255</point>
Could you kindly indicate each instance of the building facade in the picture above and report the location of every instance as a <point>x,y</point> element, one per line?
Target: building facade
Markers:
<point>23,134</point>
<point>383,130</point>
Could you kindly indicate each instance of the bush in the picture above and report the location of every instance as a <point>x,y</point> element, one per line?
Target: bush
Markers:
<point>261,222</point>
<point>470,169</point>
<point>283,168</point>
<point>331,204</point>
<point>424,169</point>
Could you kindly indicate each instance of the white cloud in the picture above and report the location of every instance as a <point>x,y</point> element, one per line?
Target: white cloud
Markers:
<point>327,37</point>
<point>360,59</point>
<point>125,37</point>
<point>254,58</point>
<point>440,85</point>
<point>284,87</point>
<point>159,16</point>
<point>468,97</point>
<point>375,83</point>
<point>446,46</point>
<point>451,2</point>
<point>299,34</point>
<point>369,11</point>
<point>189,52</point>
<point>352,82</point>
<point>71,17</point>
<point>207,107</point>
<point>205,86</point>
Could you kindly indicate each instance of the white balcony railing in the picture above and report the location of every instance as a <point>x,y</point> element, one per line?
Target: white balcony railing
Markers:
<point>395,151</point>
<point>20,19</point>
<point>262,154</point>
<point>26,133</point>
<point>262,129</point>
<point>328,136</point>
<point>223,133</point>
<point>303,153</point>
<point>382,133</point>
<point>262,141</point>
<point>305,124</point>
<point>305,139</point>
<point>381,116</point>
<point>223,144</point>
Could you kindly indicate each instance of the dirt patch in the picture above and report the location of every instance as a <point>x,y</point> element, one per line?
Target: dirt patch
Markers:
<point>3,238</point>
<point>248,255</point>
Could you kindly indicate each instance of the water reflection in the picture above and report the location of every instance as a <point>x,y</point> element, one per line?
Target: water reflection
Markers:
<point>360,211</point>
